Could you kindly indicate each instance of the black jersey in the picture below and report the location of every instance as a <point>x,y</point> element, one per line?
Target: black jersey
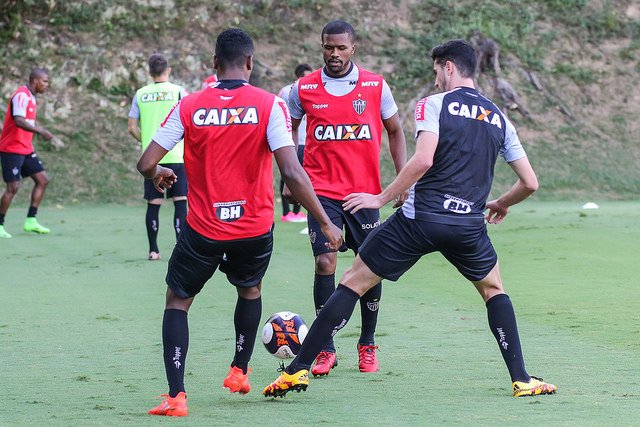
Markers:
<point>472,132</point>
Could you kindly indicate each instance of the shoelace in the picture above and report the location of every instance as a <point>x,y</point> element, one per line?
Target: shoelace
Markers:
<point>322,358</point>
<point>368,353</point>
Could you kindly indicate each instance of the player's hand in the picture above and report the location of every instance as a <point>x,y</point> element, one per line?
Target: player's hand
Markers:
<point>46,134</point>
<point>399,201</point>
<point>356,201</point>
<point>287,194</point>
<point>164,178</point>
<point>56,142</point>
<point>333,235</point>
<point>496,213</point>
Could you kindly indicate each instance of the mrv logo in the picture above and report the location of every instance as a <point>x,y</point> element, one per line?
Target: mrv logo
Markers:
<point>342,132</point>
<point>225,116</point>
<point>454,204</point>
<point>309,86</point>
<point>229,211</point>
<point>475,112</point>
<point>156,97</point>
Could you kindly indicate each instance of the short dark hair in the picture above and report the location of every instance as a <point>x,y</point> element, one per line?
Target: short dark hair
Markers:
<point>338,27</point>
<point>158,64</point>
<point>301,68</point>
<point>233,47</point>
<point>36,73</point>
<point>458,51</point>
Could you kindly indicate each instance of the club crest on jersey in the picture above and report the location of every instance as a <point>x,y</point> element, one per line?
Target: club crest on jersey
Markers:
<point>475,112</point>
<point>225,116</point>
<point>156,97</point>
<point>359,105</point>
<point>229,211</point>
<point>360,132</point>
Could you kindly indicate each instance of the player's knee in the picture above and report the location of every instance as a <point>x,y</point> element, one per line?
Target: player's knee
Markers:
<point>326,264</point>
<point>249,293</point>
<point>13,187</point>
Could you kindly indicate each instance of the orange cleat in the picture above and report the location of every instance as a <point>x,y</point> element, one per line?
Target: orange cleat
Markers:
<point>237,381</point>
<point>172,406</point>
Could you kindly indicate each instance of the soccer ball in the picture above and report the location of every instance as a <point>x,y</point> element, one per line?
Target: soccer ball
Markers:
<point>283,334</point>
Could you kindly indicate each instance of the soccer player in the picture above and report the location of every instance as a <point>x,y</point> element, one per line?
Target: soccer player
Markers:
<point>459,135</point>
<point>230,131</point>
<point>209,81</point>
<point>346,108</point>
<point>295,215</point>
<point>17,154</point>
<point>149,107</point>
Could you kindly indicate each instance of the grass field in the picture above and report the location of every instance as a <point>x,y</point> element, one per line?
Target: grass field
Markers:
<point>82,308</point>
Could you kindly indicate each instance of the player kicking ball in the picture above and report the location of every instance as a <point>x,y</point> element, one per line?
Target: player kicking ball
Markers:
<point>460,134</point>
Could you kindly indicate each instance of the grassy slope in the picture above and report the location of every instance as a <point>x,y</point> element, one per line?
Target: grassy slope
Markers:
<point>81,331</point>
<point>582,52</point>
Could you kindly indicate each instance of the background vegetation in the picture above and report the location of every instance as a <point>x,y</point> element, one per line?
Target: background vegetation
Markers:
<point>573,64</point>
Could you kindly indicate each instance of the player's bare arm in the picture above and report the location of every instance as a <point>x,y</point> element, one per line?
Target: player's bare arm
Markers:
<point>525,186</point>
<point>417,166</point>
<point>134,129</point>
<point>149,168</point>
<point>295,124</point>
<point>398,150</point>
<point>22,123</point>
<point>299,184</point>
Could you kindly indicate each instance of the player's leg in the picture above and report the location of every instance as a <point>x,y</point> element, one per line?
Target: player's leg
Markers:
<point>245,264</point>
<point>178,192</point>
<point>152,218</point>
<point>358,226</point>
<point>324,278</point>
<point>193,262</point>
<point>34,169</point>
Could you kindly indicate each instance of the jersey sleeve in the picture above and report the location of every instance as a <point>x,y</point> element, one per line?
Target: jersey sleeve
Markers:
<point>388,105</point>
<point>134,112</point>
<point>183,92</point>
<point>427,115</point>
<point>279,126</point>
<point>171,131</point>
<point>295,106</point>
<point>512,149</point>
<point>19,104</point>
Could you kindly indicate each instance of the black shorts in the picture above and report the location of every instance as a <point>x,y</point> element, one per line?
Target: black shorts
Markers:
<point>195,258</point>
<point>395,246</point>
<point>178,189</point>
<point>15,166</point>
<point>356,226</point>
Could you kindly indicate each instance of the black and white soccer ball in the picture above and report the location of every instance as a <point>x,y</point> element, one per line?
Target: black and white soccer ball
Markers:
<point>283,334</point>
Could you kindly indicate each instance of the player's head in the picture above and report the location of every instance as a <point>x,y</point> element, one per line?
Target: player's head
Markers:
<point>338,45</point>
<point>302,70</point>
<point>158,65</point>
<point>39,80</point>
<point>234,50</point>
<point>455,58</point>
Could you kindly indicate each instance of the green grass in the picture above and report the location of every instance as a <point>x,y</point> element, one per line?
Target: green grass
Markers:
<point>80,328</point>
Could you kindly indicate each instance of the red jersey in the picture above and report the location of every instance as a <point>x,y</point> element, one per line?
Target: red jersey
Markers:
<point>228,161</point>
<point>211,79</point>
<point>344,136</point>
<point>16,140</point>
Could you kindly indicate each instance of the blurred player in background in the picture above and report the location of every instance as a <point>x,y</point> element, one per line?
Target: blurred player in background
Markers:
<point>209,81</point>
<point>346,108</point>
<point>149,108</point>
<point>17,154</point>
<point>460,134</point>
<point>230,131</point>
<point>288,214</point>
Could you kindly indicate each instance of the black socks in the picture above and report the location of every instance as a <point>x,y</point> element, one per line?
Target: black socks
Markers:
<point>246,320</point>
<point>175,340</point>
<point>179,215</point>
<point>32,212</point>
<point>502,321</point>
<point>369,305</point>
<point>323,288</point>
<point>152,224</point>
<point>333,317</point>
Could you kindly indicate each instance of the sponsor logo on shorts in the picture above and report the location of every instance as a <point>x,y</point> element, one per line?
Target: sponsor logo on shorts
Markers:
<point>229,211</point>
<point>370,226</point>
<point>457,205</point>
<point>312,236</point>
